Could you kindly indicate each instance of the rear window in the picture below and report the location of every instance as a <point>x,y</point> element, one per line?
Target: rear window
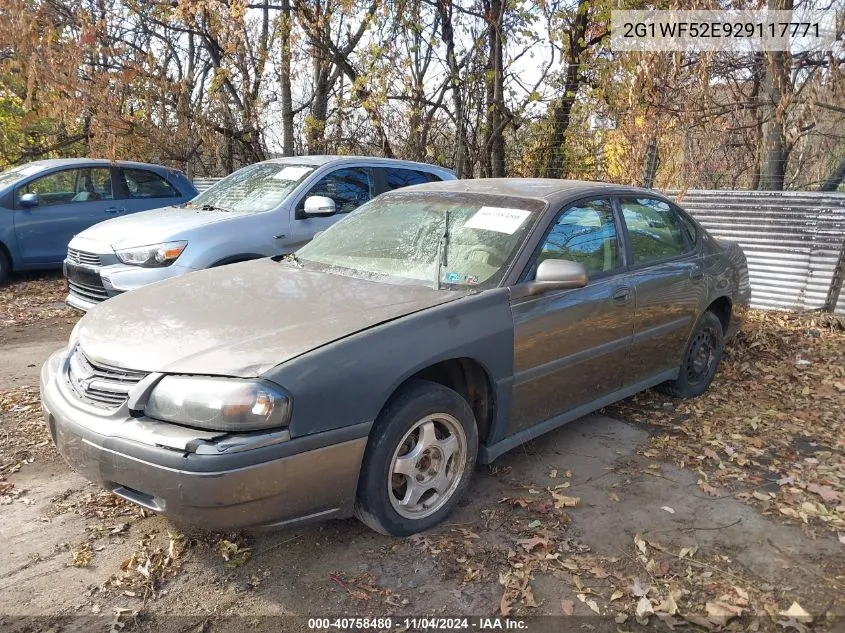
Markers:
<point>142,183</point>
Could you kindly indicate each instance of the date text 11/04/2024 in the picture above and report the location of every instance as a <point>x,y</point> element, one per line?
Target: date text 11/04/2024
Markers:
<point>417,624</point>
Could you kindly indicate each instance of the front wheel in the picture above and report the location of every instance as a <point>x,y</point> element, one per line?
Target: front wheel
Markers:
<point>700,361</point>
<point>419,460</point>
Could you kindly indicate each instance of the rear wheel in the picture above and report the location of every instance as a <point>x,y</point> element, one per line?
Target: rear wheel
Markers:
<point>419,460</point>
<point>5,266</point>
<point>700,361</point>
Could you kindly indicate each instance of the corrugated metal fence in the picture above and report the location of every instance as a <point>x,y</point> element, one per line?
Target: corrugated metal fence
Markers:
<point>204,183</point>
<point>794,241</point>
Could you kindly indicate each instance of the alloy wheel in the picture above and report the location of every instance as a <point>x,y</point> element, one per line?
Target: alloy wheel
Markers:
<point>427,466</point>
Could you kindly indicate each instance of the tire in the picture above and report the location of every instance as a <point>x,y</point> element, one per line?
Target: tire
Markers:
<point>700,361</point>
<point>5,266</point>
<point>419,420</point>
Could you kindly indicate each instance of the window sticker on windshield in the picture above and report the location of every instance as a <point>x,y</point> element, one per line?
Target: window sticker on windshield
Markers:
<point>498,219</point>
<point>292,173</point>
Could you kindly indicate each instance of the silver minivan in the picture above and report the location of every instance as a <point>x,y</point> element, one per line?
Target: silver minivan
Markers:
<point>266,209</point>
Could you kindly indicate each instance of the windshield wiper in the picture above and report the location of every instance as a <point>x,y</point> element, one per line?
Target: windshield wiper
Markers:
<point>212,207</point>
<point>441,250</point>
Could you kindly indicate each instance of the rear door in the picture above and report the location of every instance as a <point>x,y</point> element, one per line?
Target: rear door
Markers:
<point>570,345</point>
<point>668,282</point>
<point>143,189</point>
<point>69,201</point>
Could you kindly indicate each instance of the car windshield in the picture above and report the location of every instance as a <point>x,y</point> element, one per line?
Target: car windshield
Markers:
<point>11,176</point>
<point>253,189</point>
<point>405,237</point>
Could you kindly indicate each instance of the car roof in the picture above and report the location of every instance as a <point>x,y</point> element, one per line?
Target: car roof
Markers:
<point>550,190</point>
<point>75,162</point>
<point>325,159</point>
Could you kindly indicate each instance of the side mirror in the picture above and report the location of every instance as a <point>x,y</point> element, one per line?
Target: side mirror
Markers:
<point>320,206</point>
<point>557,274</point>
<point>28,200</point>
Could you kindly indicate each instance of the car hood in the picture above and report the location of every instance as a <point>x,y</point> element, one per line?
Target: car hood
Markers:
<point>152,227</point>
<point>242,319</point>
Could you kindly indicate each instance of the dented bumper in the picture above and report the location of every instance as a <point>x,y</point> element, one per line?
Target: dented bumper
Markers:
<point>220,482</point>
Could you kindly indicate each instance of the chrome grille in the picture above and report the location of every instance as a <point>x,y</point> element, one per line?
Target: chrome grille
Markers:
<point>101,385</point>
<point>87,291</point>
<point>81,257</point>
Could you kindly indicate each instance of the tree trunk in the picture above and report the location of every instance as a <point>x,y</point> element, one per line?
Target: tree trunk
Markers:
<point>774,151</point>
<point>461,166</point>
<point>316,127</point>
<point>562,110</point>
<point>284,80</point>
<point>835,179</point>
<point>494,139</point>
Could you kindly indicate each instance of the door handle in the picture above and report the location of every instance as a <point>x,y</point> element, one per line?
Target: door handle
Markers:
<point>697,272</point>
<point>622,295</point>
<point>113,210</point>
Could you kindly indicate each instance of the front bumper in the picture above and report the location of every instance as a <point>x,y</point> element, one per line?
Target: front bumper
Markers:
<point>112,280</point>
<point>213,483</point>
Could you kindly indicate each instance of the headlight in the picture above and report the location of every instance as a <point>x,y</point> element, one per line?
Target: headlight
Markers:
<point>219,404</point>
<point>153,256</point>
<point>74,334</point>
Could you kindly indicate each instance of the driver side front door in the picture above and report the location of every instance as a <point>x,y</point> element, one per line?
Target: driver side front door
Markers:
<point>570,345</point>
<point>349,187</point>
<point>69,201</point>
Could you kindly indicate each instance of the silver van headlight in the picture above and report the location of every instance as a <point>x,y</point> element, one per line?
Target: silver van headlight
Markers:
<point>219,404</point>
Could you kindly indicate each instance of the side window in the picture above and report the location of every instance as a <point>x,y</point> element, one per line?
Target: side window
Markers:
<point>654,229</point>
<point>689,229</point>
<point>70,185</point>
<point>397,178</point>
<point>349,187</point>
<point>142,183</point>
<point>584,233</point>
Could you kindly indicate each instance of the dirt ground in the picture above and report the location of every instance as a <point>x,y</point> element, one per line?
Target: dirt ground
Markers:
<point>583,522</point>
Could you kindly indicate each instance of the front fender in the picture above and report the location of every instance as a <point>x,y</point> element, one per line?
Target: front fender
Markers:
<point>349,381</point>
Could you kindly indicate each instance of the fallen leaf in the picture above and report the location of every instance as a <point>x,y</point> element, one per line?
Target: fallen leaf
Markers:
<point>720,612</point>
<point>529,544</point>
<point>593,606</point>
<point>668,509</point>
<point>668,605</point>
<point>506,604</point>
<point>567,607</point>
<point>639,589</point>
<point>827,493</point>
<point>797,612</point>
<point>616,595</point>
<point>644,608</point>
<point>640,543</point>
<point>613,496</point>
<point>562,501</point>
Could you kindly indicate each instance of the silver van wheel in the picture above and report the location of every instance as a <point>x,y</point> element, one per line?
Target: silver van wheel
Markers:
<point>427,466</point>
